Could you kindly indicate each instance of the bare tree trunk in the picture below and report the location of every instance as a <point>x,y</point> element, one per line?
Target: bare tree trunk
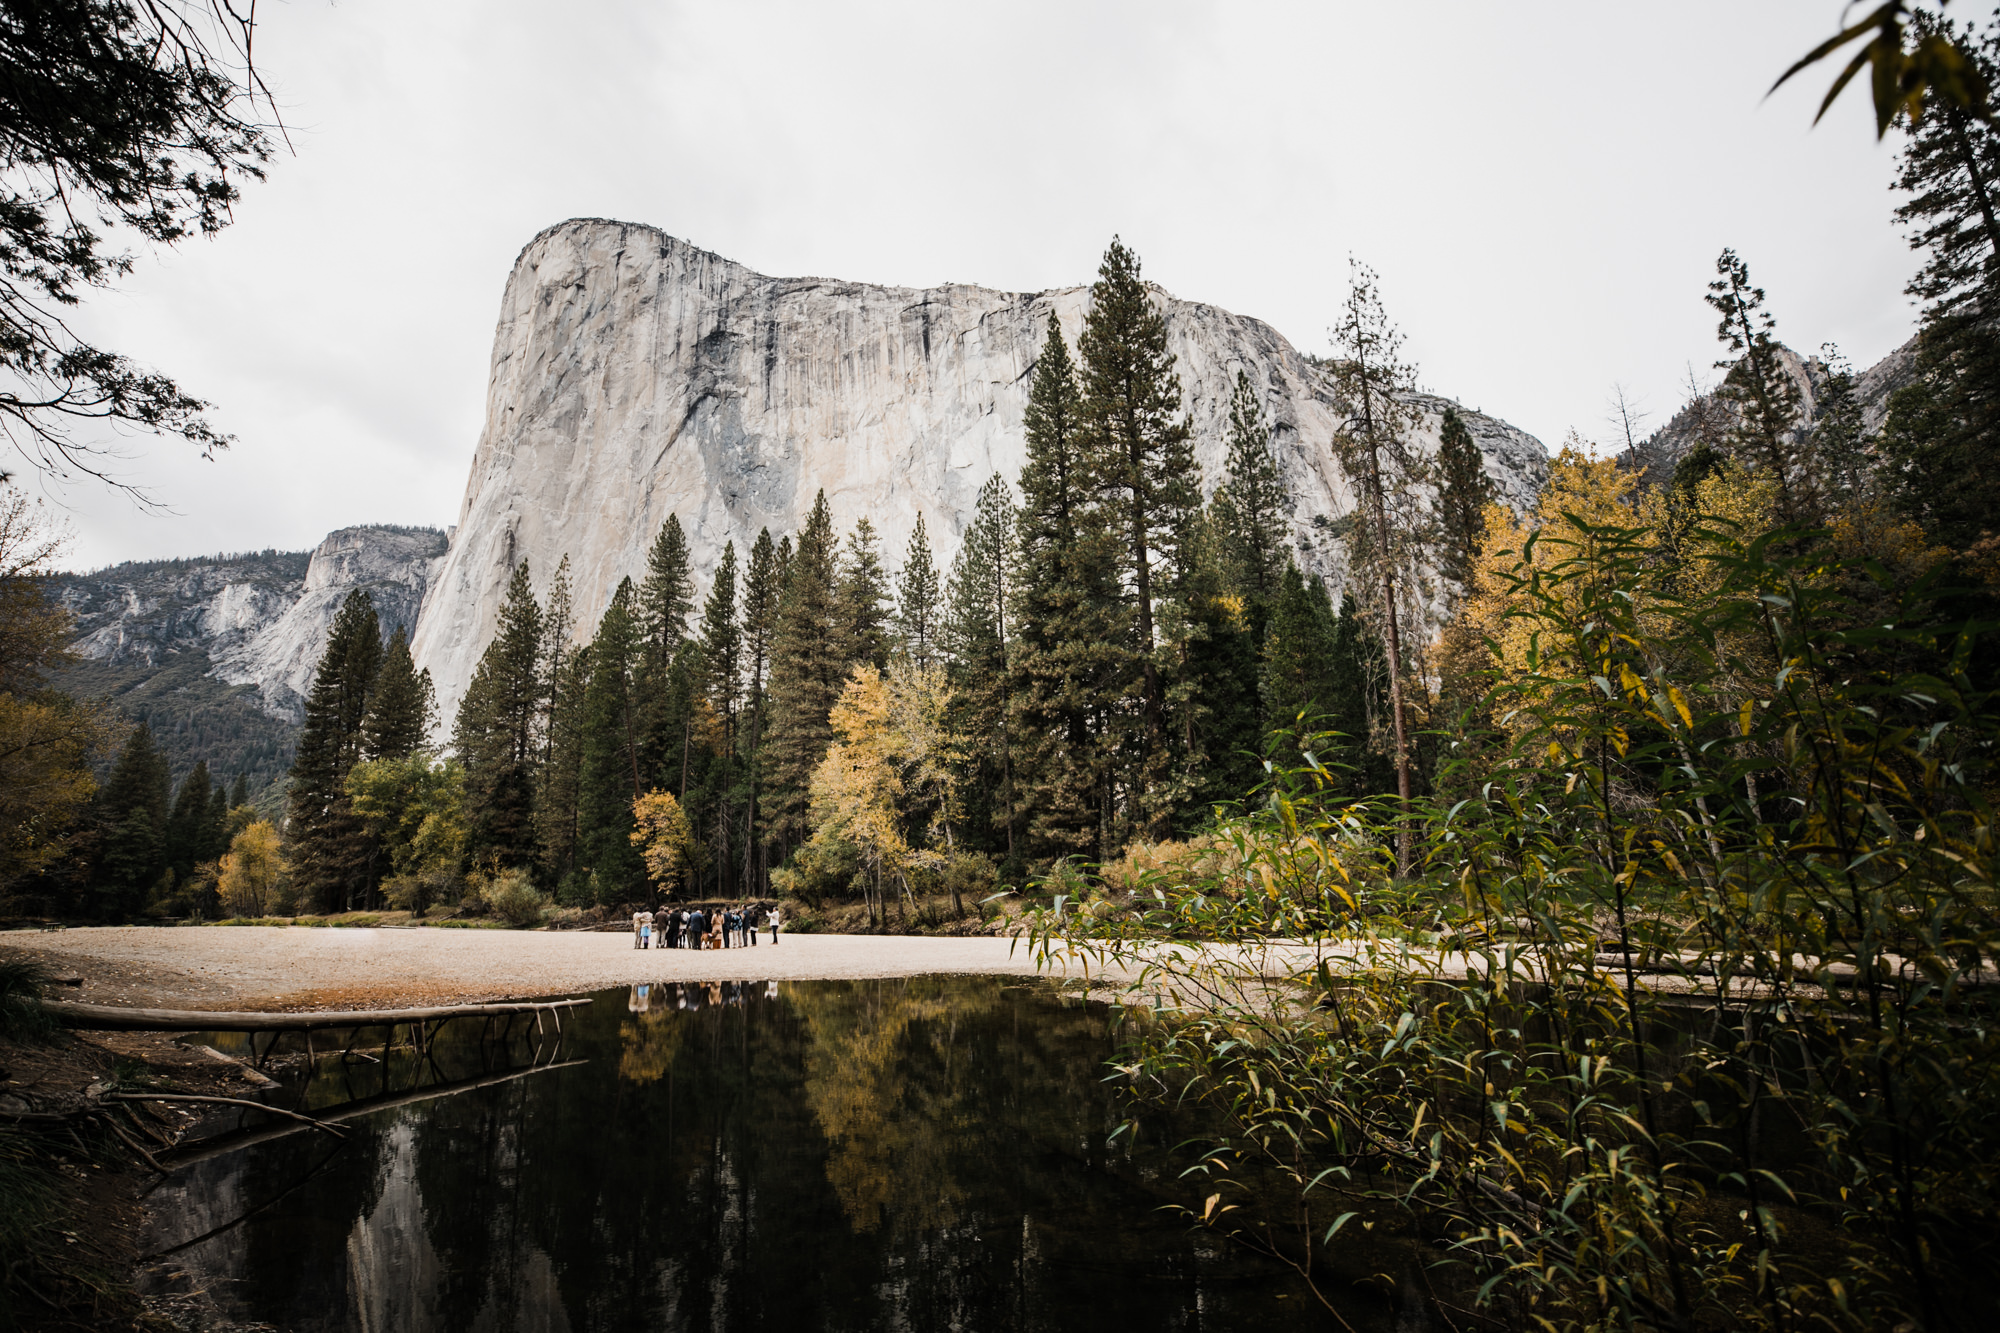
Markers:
<point>1394,643</point>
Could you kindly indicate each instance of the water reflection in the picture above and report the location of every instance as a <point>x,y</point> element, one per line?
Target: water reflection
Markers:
<point>923,1153</point>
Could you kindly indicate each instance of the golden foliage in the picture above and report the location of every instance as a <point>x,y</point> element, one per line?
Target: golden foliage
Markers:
<point>893,760</point>
<point>662,835</point>
<point>251,878</point>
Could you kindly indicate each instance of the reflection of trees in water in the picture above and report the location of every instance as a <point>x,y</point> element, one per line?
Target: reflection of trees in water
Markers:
<point>925,1154</point>
<point>892,1128</point>
<point>648,1043</point>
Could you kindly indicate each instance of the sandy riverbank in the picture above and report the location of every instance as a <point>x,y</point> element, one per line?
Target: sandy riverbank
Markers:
<point>272,967</point>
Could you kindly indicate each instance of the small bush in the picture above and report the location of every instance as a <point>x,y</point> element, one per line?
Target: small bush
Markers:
<point>513,897</point>
<point>420,891</point>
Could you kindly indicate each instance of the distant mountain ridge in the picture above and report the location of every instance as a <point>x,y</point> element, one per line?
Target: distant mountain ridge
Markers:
<point>1873,387</point>
<point>217,653</point>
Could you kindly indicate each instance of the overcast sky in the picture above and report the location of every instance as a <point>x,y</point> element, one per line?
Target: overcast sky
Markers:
<point>1543,188</point>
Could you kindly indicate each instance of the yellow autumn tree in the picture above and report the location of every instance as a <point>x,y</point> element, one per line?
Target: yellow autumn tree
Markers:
<point>251,878</point>
<point>1668,556</point>
<point>856,788</point>
<point>662,835</point>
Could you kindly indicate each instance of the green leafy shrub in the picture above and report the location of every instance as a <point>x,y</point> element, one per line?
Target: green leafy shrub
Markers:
<point>1686,1021</point>
<point>512,896</point>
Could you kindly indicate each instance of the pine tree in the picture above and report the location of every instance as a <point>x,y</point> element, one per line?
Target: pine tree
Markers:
<point>808,668</point>
<point>1950,169</point>
<point>497,736</point>
<point>404,707</point>
<point>1248,507</point>
<point>721,684</point>
<point>132,818</point>
<point>1070,656</point>
<point>1941,442</point>
<point>609,779</point>
<point>1464,491</point>
<point>565,676</point>
<point>1357,680</point>
<point>1142,460</point>
<point>1840,452</point>
<point>188,826</point>
<point>666,597</point>
<point>1389,536</point>
<point>972,639</point>
<point>919,601</point>
<point>1757,385</point>
<point>331,853</point>
<point>1212,688</point>
<point>761,591</point>
<point>239,792</point>
<point>863,597</point>
<point>1298,654</point>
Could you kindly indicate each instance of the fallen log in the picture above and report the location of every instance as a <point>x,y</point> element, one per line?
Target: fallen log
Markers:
<point>112,1018</point>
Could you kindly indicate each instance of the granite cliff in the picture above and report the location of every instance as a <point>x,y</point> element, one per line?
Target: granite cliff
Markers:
<point>634,375</point>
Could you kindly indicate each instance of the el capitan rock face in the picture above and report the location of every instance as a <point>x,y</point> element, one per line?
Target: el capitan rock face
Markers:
<point>634,376</point>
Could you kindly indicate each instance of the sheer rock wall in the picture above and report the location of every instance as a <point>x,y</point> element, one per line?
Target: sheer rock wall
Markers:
<point>634,375</point>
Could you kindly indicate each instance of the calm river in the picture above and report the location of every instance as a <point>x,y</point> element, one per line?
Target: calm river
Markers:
<point>919,1154</point>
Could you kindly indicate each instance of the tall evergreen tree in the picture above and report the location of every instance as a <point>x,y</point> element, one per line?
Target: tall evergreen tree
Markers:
<point>1214,631</point>
<point>1757,385</point>
<point>808,668</point>
<point>722,685</point>
<point>1299,655</point>
<point>666,597</point>
<point>609,778</point>
<point>1357,684</point>
<point>189,828</point>
<point>497,735</point>
<point>403,708</point>
<point>132,818</point>
<point>1388,541</point>
<point>1464,491</point>
<point>1941,442</point>
<point>565,676</point>
<point>762,588</point>
<point>919,600</point>
<point>1249,505</point>
<point>331,852</point>
<point>972,638</point>
<point>863,596</point>
<point>1841,454</point>
<point>239,792</point>
<point>1950,170</point>
<point>1070,656</point>
<point>1142,458</point>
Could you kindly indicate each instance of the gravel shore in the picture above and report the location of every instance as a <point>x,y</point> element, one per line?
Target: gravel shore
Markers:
<point>294,968</point>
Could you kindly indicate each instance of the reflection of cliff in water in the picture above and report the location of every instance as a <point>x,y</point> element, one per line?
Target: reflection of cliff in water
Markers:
<point>925,1153</point>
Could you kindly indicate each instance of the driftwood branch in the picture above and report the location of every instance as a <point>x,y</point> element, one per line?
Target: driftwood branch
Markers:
<point>112,1018</point>
<point>222,1101</point>
<point>224,1144</point>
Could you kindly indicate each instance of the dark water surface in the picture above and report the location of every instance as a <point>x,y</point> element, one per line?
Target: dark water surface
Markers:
<point>925,1153</point>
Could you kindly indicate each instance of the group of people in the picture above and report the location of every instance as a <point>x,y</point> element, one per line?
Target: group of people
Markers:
<point>693,928</point>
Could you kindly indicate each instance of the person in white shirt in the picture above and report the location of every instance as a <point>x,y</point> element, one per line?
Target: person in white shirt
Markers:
<point>772,922</point>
